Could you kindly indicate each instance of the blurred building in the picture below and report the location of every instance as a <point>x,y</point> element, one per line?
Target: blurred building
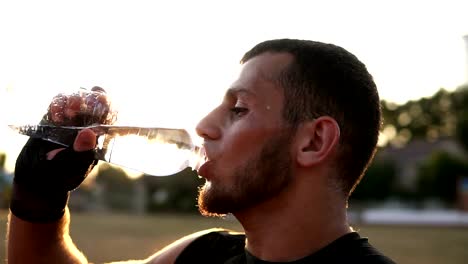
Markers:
<point>462,192</point>
<point>409,158</point>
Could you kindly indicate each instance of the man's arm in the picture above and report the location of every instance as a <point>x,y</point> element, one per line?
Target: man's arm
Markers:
<point>41,242</point>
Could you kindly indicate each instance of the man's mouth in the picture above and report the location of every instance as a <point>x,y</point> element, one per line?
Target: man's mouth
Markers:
<point>202,168</point>
<point>198,158</point>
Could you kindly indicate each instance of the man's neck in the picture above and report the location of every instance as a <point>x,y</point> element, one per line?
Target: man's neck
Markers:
<point>294,224</point>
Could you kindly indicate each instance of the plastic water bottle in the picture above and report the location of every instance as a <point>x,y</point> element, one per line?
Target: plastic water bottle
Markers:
<point>151,150</point>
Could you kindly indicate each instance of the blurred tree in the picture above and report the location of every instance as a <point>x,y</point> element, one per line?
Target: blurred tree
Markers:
<point>462,131</point>
<point>117,188</point>
<point>437,176</point>
<point>178,192</point>
<point>5,186</point>
<point>444,114</point>
<point>2,161</point>
<point>460,99</point>
<point>378,182</point>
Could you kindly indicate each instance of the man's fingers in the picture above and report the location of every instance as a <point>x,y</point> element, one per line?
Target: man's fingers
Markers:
<point>51,154</point>
<point>85,140</point>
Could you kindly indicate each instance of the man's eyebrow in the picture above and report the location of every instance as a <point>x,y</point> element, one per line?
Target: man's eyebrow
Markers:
<point>238,90</point>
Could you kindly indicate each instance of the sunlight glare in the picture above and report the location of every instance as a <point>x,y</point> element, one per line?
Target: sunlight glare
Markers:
<point>150,156</point>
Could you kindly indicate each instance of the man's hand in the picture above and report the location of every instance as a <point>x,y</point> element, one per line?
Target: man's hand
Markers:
<point>45,173</point>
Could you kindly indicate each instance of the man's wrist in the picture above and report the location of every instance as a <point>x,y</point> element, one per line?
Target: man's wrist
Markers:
<point>38,206</point>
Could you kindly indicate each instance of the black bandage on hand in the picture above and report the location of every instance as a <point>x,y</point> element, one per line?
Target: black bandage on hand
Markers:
<point>41,187</point>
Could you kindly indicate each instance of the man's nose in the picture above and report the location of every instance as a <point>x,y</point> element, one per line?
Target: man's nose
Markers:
<point>209,127</point>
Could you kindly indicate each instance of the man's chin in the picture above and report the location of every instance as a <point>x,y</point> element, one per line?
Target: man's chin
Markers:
<point>208,211</point>
<point>209,204</point>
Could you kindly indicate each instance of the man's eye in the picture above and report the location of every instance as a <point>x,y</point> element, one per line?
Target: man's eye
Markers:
<point>239,111</point>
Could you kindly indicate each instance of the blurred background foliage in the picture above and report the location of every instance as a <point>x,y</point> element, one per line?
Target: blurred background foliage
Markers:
<point>434,129</point>
<point>445,114</point>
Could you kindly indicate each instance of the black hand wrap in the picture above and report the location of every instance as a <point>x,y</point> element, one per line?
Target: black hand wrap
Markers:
<point>41,187</point>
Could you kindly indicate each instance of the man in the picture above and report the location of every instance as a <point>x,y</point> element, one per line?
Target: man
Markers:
<point>285,149</point>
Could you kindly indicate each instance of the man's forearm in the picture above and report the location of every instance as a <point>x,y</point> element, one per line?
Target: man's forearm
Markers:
<point>41,242</point>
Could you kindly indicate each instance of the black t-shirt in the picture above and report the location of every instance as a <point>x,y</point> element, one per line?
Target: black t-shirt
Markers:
<point>227,248</point>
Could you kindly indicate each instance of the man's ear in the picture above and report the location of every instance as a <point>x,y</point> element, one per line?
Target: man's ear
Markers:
<point>316,140</point>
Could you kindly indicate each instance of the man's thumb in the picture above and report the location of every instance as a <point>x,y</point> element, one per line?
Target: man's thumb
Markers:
<point>85,140</point>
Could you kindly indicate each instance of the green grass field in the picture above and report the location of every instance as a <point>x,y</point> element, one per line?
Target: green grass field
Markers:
<point>107,237</point>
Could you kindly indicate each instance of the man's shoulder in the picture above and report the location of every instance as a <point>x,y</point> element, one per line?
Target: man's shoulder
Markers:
<point>212,246</point>
<point>190,248</point>
<point>355,249</point>
<point>375,259</point>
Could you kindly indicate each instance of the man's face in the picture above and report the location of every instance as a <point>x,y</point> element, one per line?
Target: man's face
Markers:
<point>247,142</point>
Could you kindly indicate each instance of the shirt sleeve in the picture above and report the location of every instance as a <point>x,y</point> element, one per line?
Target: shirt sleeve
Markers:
<point>213,247</point>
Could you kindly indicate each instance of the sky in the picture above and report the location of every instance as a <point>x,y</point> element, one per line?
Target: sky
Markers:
<point>167,63</point>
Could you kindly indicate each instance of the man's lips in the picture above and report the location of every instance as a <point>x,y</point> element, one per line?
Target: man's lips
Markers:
<point>205,164</point>
<point>204,169</point>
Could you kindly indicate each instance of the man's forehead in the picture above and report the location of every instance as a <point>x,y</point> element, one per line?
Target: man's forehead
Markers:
<point>269,64</point>
<point>263,68</point>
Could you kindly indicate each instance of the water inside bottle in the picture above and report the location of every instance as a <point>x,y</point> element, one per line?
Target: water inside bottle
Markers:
<point>153,151</point>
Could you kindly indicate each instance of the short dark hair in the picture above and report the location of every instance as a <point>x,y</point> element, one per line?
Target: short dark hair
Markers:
<point>325,79</point>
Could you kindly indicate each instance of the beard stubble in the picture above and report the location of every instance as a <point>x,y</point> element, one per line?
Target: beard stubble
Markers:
<point>258,180</point>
